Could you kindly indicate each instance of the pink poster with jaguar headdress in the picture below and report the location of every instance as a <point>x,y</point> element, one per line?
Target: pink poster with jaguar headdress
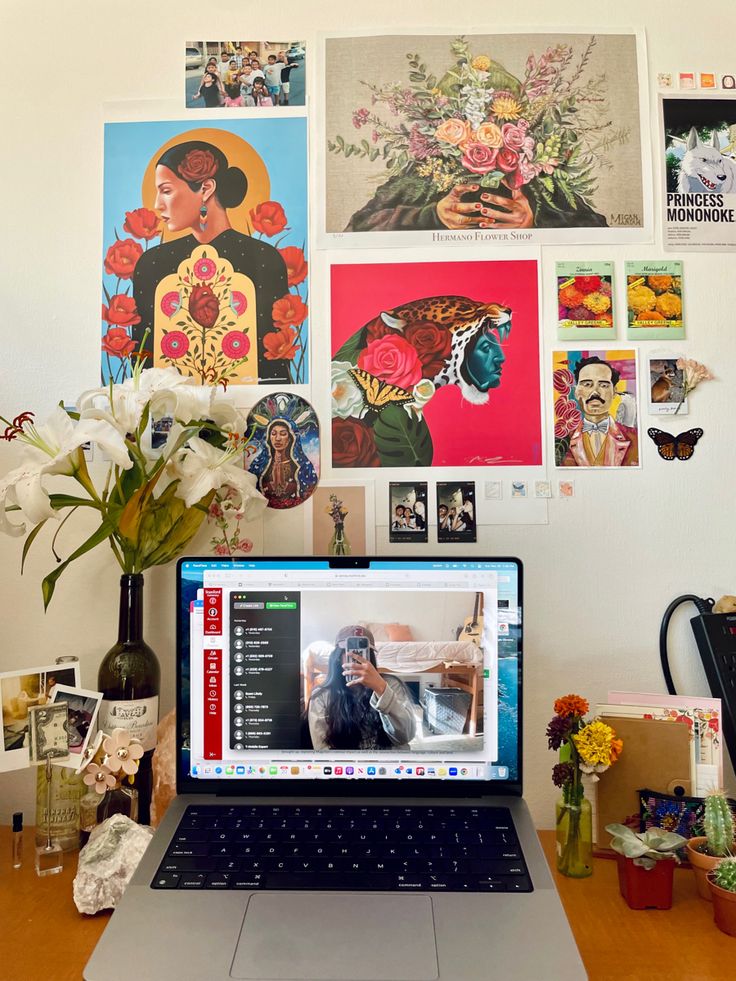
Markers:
<point>436,364</point>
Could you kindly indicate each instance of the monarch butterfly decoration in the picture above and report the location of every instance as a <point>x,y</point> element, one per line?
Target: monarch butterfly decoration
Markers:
<point>680,447</point>
<point>378,394</point>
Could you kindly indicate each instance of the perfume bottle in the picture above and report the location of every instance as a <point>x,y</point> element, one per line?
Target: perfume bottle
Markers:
<point>17,839</point>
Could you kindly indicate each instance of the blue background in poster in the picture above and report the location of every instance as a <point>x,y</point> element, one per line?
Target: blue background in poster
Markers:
<point>129,147</point>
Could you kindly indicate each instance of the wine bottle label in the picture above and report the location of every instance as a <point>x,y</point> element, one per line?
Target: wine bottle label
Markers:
<point>139,717</point>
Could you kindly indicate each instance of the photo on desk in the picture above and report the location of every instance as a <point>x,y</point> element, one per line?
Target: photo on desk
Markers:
<point>83,708</point>
<point>19,691</point>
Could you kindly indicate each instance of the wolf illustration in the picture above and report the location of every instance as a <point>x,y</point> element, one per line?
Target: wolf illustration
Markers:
<point>704,169</point>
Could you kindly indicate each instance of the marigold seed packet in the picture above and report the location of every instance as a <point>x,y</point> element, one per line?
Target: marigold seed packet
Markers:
<point>654,301</point>
<point>585,301</point>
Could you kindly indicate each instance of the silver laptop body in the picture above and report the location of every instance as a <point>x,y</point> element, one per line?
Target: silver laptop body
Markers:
<point>275,935</point>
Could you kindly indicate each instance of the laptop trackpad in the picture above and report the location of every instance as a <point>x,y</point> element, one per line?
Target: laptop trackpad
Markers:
<point>337,937</point>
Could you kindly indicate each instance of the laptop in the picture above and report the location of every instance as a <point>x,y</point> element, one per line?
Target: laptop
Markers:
<point>349,782</point>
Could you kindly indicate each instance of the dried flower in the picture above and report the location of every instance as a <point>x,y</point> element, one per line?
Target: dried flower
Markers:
<point>562,773</point>
<point>693,373</point>
<point>593,744</point>
<point>558,732</point>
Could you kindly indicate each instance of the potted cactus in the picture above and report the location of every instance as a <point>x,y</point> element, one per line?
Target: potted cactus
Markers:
<point>722,882</point>
<point>705,853</point>
<point>646,863</point>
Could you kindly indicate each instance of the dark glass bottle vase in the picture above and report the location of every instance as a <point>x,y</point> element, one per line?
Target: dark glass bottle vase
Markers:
<point>129,679</point>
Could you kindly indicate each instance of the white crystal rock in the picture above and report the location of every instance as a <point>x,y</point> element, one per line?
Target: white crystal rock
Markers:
<point>107,863</point>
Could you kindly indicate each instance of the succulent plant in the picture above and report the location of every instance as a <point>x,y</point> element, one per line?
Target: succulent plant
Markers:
<point>724,874</point>
<point>718,823</point>
<point>646,848</point>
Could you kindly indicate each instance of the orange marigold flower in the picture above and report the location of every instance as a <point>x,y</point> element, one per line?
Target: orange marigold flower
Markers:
<point>650,315</point>
<point>571,705</point>
<point>616,746</point>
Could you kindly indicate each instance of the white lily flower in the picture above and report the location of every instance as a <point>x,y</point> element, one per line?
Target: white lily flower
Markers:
<point>22,487</point>
<point>202,468</point>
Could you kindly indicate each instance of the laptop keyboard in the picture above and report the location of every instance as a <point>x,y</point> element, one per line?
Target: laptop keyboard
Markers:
<point>373,848</point>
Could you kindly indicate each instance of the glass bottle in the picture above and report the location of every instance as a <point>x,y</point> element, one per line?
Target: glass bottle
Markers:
<point>120,800</point>
<point>67,789</point>
<point>88,815</point>
<point>574,826</point>
<point>129,679</point>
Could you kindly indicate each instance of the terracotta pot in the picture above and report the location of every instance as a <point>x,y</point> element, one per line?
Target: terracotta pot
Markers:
<point>724,908</point>
<point>646,888</point>
<point>702,864</point>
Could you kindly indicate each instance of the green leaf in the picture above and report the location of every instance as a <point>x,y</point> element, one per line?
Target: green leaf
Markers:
<point>49,583</point>
<point>29,541</point>
<point>402,440</point>
<point>351,348</point>
<point>167,526</point>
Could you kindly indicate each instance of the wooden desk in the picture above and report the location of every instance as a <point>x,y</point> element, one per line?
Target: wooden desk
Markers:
<point>616,943</point>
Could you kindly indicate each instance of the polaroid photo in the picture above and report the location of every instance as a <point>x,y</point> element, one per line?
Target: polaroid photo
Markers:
<point>408,511</point>
<point>49,733</point>
<point>456,514</point>
<point>83,706</point>
<point>666,386</point>
<point>19,692</point>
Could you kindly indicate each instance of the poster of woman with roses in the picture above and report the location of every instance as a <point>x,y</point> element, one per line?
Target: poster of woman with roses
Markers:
<point>515,137</point>
<point>435,364</point>
<point>205,265</point>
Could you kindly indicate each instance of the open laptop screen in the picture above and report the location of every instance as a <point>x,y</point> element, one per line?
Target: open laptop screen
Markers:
<point>363,669</point>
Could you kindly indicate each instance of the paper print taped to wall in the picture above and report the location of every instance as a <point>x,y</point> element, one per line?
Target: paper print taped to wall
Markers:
<point>595,409</point>
<point>205,232</point>
<point>507,137</point>
<point>435,364</point>
<point>283,451</point>
<point>699,170</point>
<point>340,519</point>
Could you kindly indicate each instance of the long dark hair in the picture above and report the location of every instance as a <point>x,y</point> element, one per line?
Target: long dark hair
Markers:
<point>231,183</point>
<point>348,714</point>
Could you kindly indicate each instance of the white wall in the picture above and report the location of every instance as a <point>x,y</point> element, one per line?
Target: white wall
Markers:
<point>599,574</point>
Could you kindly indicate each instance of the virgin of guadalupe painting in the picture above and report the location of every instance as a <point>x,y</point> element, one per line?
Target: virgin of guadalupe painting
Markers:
<point>205,267</point>
<point>283,450</point>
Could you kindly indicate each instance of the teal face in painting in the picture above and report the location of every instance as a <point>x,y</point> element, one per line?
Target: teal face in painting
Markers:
<point>484,363</point>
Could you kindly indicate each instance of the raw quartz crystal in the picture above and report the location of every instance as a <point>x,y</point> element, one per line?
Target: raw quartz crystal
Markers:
<point>164,768</point>
<point>107,863</point>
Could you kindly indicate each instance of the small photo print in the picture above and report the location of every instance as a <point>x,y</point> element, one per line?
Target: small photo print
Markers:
<point>708,80</point>
<point>456,519</point>
<point>83,706</point>
<point>666,387</point>
<point>665,80</point>
<point>728,82</point>
<point>160,429</point>
<point>519,488</point>
<point>566,489</point>
<point>687,80</point>
<point>19,692</point>
<point>654,301</point>
<point>493,490</point>
<point>408,511</point>
<point>585,300</point>
<point>244,74</point>
<point>543,488</point>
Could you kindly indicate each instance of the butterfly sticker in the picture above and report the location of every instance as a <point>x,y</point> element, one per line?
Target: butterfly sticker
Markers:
<point>669,446</point>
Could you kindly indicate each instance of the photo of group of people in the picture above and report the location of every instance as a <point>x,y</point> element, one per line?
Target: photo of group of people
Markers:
<point>244,74</point>
<point>456,517</point>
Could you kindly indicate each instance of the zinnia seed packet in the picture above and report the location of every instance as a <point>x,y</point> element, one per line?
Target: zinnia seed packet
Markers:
<point>585,301</point>
<point>654,301</point>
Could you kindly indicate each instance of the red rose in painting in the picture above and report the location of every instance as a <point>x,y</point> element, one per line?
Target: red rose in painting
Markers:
<point>478,158</point>
<point>122,257</point>
<point>204,307</point>
<point>117,343</point>
<point>353,444</point>
<point>268,218</point>
<point>289,311</point>
<point>142,223</point>
<point>281,344</point>
<point>378,328</point>
<point>197,166</point>
<point>296,265</point>
<point>507,160</point>
<point>432,343</point>
<point>122,311</point>
<point>393,359</point>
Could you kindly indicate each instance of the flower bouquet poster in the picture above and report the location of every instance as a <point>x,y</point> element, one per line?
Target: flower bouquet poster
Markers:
<point>534,138</point>
<point>435,364</point>
<point>204,250</point>
<point>595,413</point>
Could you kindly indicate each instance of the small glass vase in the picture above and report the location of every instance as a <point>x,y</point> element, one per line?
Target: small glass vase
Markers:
<point>119,800</point>
<point>574,826</point>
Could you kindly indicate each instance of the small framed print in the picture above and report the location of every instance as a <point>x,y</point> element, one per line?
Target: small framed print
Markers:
<point>407,511</point>
<point>83,706</point>
<point>49,732</point>
<point>456,518</point>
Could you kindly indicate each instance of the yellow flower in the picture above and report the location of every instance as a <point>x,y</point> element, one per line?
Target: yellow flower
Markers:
<point>489,134</point>
<point>597,302</point>
<point>669,305</point>
<point>481,62</point>
<point>641,298</point>
<point>593,743</point>
<point>505,107</point>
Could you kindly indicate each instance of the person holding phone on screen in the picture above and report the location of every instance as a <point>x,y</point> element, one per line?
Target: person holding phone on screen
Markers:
<point>357,707</point>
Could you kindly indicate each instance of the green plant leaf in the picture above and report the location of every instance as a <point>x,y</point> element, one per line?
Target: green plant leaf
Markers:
<point>351,348</point>
<point>29,541</point>
<point>49,583</point>
<point>402,440</point>
<point>167,526</point>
